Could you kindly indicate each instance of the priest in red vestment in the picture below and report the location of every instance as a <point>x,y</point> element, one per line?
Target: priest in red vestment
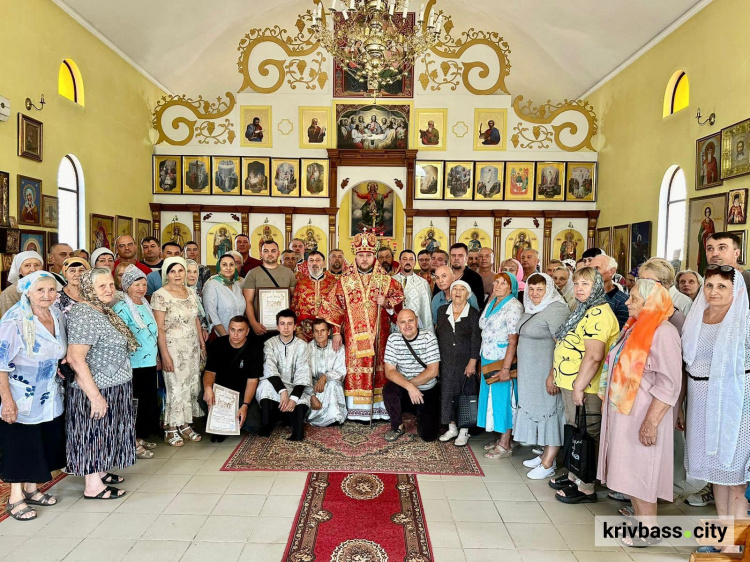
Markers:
<point>360,307</point>
<point>309,293</point>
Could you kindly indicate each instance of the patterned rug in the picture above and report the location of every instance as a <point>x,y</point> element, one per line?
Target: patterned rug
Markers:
<point>369,517</point>
<point>353,447</point>
<point>5,492</point>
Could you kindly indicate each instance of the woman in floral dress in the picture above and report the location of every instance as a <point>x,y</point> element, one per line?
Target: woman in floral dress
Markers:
<point>177,316</point>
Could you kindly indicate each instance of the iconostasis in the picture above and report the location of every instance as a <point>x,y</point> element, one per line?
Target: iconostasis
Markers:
<point>447,154</point>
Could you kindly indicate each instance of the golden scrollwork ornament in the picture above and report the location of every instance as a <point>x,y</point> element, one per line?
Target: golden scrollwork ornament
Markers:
<point>202,123</point>
<point>545,130</point>
<point>293,69</point>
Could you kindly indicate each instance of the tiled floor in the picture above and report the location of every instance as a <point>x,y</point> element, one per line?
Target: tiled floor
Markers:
<point>181,507</point>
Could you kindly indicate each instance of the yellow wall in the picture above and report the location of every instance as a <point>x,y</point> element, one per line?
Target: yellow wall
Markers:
<point>109,136</point>
<point>637,145</point>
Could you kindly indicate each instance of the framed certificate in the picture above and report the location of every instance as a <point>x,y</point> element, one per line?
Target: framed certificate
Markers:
<point>271,302</point>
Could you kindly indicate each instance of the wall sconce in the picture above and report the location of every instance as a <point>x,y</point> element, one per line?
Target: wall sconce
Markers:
<point>29,104</point>
<point>711,118</point>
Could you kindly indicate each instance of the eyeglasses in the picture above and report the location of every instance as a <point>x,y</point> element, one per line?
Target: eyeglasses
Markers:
<point>722,268</point>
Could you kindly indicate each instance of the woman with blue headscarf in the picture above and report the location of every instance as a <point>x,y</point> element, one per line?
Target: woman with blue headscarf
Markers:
<point>32,426</point>
<point>497,392</point>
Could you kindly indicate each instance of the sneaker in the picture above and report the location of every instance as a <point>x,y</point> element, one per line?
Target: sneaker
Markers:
<point>533,463</point>
<point>448,435</point>
<point>537,451</point>
<point>462,439</point>
<point>702,497</point>
<point>541,473</point>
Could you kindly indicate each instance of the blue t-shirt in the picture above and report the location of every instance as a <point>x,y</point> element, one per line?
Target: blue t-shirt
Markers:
<point>145,355</point>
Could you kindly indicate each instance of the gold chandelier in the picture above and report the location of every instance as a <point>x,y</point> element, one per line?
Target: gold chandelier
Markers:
<point>374,40</point>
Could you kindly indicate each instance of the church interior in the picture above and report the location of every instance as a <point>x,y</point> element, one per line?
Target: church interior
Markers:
<point>550,126</point>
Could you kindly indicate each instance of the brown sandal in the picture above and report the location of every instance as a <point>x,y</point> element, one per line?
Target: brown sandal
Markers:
<point>18,515</point>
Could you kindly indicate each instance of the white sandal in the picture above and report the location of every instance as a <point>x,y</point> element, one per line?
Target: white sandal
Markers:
<point>175,440</point>
<point>189,433</point>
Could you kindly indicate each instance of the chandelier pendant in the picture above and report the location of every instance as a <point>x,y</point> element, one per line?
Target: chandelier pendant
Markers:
<point>374,40</point>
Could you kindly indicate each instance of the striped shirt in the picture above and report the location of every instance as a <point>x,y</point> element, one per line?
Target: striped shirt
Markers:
<point>425,345</point>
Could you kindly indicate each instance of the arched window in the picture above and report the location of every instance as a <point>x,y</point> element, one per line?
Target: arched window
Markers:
<point>70,82</point>
<point>672,215</point>
<point>677,94</point>
<point>71,201</point>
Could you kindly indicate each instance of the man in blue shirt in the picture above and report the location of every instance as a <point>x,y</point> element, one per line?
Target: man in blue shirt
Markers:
<point>168,250</point>
<point>607,267</point>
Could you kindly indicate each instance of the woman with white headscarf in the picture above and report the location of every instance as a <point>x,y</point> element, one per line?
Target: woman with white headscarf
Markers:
<point>460,341</point>
<point>32,426</point>
<point>103,257</point>
<point>23,264</point>
<point>137,315</point>
<point>540,416</point>
<point>563,279</point>
<point>181,346</point>
<point>716,350</point>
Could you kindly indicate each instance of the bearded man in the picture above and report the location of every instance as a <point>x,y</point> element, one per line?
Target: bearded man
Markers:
<point>309,294</point>
<point>361,307</point>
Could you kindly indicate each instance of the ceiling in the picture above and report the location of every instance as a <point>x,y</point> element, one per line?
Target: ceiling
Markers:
<point>559,49</point>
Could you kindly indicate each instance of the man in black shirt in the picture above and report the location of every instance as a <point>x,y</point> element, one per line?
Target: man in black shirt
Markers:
<point>233,363</point>
<point>459,254</point>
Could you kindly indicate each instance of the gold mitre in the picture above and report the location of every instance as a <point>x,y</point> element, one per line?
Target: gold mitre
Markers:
<point>365,242</point>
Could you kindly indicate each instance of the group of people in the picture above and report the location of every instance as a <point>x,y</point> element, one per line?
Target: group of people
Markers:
<point>88,348</point>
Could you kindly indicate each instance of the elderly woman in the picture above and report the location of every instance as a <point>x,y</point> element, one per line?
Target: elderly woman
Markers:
<point>460,341</point>
<point>640,386</point>
<point>23,264</point>
<point>181,346</point>
<point>661,271</point>
<point>540,416</point>
<point>499,323</point>
<point>222,295</point>
<point>716,350</point>
<point>99,419</point>
<point>32,430</point>
<point>563,278</point>
<point>582,344</point>
<point>70,295</point>
<point>103,257</point>
<point>689,282</point>
<point>81,253</point>
<point>136,313</point>
<point>514,266</point>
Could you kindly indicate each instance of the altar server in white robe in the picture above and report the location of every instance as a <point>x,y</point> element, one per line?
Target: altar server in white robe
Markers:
<point>328,369</point>
<point>285,389</point>
<point>417,293</point>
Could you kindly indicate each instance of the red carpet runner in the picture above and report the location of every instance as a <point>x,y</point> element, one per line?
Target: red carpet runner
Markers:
<point>358,516</point>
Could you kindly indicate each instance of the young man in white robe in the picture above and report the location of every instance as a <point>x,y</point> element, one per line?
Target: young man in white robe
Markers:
<point>417,293</point>
<point>328,369</point>
<point>285,389</point>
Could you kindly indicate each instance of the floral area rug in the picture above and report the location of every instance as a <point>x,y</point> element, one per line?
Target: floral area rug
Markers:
<point>359,516</point>
<point>5,492</point>
<point>353,447</point>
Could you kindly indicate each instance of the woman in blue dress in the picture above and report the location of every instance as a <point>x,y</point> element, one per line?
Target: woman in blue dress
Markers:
<point>497,393</point>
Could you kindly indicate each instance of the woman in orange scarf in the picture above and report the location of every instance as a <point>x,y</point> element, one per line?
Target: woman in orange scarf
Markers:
<point>640,386</point>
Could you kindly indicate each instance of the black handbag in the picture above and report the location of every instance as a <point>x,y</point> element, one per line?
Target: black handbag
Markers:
<point>467,406</point>
<point>579,450</point>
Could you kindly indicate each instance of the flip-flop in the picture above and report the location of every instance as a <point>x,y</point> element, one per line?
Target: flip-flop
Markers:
<point>114,494</point>
<point>574,495</point>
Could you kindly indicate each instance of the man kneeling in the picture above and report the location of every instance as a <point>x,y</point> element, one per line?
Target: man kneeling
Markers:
<point>232,363</point>
<point>328,405</point>
<point>284,391</point>
<point>411,367</point>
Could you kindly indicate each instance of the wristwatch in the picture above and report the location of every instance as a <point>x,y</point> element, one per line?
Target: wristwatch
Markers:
<point>245,404</point>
